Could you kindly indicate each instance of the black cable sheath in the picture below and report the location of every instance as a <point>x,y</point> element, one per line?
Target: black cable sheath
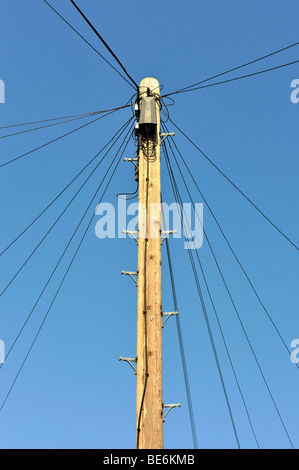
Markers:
<point>65,250</point>
<point>187,89</point>
<point>87,42</point>
<point>229,245</point>
<point>242,326</point>
<point>199,290</point>
<point>66,119</point>
<point>180,337</point>
<point>54,140</point>
<point>144,306</point>
<point>55,199</point>
<point>236,187</point>
<point>58,218</point>
<point>104,42</point>
<point>66,273</point>
<point>219,324</point>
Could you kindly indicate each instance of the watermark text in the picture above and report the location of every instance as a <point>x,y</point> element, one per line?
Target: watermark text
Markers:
<point>182,221</point>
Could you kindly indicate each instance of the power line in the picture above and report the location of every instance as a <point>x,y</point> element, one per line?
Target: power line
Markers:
<point>55,199</point>
<point>43,127</point>
<point>222,333</point>
<point>104,42</point>
<point>236,187</point>
<point>181,343</point>
<point>238,67</point>
<point>129,196</point>
<point>241,323</point>
<point>54,140</point>
<point>178,199</point>
<point>69,266</point>
<point>52,119</point>
<point>191,87</point>
<point>59,217</point>
<point>228,243</point>
<point>87,42</point>
<point>83,115</point>
<point>244,76</point>
<point>67,246</point>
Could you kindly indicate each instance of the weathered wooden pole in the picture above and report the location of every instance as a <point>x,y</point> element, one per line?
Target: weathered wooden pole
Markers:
<point>149,405</point>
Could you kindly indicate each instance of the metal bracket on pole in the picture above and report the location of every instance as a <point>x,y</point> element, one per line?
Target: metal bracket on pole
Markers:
<point>168,315</point>
<point>129,360</point>
<point>132,160</point>
<point>131,274</point>
<point>132,233</point>
<point>167,233</point>
<point>170,407</point>
<point>165,135</point>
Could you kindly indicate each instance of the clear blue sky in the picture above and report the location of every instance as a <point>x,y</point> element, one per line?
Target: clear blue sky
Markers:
<point>73,392</point>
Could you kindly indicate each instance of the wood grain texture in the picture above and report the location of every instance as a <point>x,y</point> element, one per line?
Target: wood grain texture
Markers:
<point>149,287</point>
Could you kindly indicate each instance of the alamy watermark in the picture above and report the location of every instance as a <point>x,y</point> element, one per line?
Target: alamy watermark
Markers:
<point>295,92</point>
<point>185,221</point>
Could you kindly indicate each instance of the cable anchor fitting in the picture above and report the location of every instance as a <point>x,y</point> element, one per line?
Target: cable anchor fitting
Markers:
<point>170,407</point>
<point>129,360</point>
<point>168,315</point>
<point>131,274</point>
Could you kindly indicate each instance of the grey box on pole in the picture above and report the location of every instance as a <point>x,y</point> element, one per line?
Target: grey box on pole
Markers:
<point>148,118</point>
<point>148,111</point>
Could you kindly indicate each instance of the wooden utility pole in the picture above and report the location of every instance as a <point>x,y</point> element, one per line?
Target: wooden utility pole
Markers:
<point>149,405</point>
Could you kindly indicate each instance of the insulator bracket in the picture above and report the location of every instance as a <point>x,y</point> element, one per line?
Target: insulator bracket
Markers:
<point>170,407</point>
<point>129,360</point>
<point>166,234</point>
<point>131,274</point>
<point>132,233</point>
<point>168,315</point>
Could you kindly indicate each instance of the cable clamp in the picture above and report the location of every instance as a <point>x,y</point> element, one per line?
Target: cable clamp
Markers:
<point>170,407</point>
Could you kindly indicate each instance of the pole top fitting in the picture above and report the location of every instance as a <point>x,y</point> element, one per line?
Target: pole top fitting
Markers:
<point>150,85</point>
